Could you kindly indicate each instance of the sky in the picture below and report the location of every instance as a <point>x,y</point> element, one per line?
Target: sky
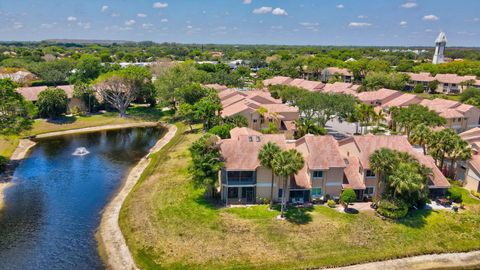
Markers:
<point>289,22</point>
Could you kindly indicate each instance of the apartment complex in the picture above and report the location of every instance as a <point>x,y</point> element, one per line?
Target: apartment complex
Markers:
<point>330,166</point>
<point>259,108</point>
<point>447,83</point>
<point>471,169</point>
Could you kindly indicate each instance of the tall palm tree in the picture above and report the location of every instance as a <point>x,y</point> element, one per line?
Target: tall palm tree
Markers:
<point>286,164</point>
<point>379,117</point>
<point>406,181</point>
<point>364,113</point>
<point>420,135</point>
<point>460,151</point>
<point>393,113</point>
<point>382,162</point>
<point>266,155</point>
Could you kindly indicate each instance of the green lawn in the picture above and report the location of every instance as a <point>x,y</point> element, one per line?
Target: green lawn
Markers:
<point>168,225</point>
<point>444,96</point>
<point>135,114</point>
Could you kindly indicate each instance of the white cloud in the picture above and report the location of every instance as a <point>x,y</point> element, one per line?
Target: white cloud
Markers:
<point>476,19</point>
<point>279,12</point>
<point>85,25</point>
<point>147,25</point>
<point>160,5</point>
<point>189,27</point>
<point>403,23</point>
<point>115,15</point>
<point>262,10</point>
<point>359,24</point>
<point>428,30</point>
<point>47,25</point>
<point>141,15</point>
<point>130,22</point>
<point>409,5</point>
<point>340,6</point>
<point>17,25</point>
<point>247,2</point>
<point>430,17</point>
<point>362,17</point>
<point>103,8</point>
<point>309,24</point>
<point>72,19</point>
<point>164,20</point>
<point>276,27</point>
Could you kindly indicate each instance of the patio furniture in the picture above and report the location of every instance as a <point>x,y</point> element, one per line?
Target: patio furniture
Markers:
<point>444,202</point>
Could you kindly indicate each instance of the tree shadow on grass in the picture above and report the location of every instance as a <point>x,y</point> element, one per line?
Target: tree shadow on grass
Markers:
<point>416,218</point>
<point>62,120</point>
<point>208,203</point>
<point>297,215</point>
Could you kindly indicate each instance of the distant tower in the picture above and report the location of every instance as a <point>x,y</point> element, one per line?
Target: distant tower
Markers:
<point>440,44</point>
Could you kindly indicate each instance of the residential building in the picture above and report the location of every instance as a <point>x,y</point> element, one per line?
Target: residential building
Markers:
<point>459,116</point>
<point>447,83</point>
<point>341,88</point>
<point>31,94</point>
<point>345,74</point>
<point>379,97</point>
<point>330,166</point>
<point>470,170</point>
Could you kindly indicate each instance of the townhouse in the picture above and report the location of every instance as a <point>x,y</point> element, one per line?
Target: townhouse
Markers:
<point>469,171</point>
<point>447,83</point>
<point>260,109</point>
<point>459,116</point>
<point>344,74</point>
<point>330,166</point>
<point>31,94</point>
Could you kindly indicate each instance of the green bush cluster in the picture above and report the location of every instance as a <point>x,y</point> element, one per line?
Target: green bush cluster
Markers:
<point>392,209</point>
<point>331,203</point>
<point>455,194</point>
<point>475,194</point>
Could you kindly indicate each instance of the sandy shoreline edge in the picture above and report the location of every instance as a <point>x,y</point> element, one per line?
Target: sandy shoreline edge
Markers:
<point>110,237</point>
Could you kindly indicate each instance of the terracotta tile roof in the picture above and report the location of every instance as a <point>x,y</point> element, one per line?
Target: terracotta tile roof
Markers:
<point>231,100</point>
<point>471,135</point>
<point>352,175</point>
<point>474,163</point>
<point>290,125</point>
<point>238,107</point>
<point>463,108</point>
<point>341,88</point>
<point>31,93</point>
<point>241,151</point>
<point>227,93</point>
<point>341,71</point>
<point>382,96</point>
<point>439,104</point>
<point>240,131</point>
<point>262,97</point>
<point>277,80</point>
<point>420,77</point>
<point>322,152</point>
<point>403,101</point>
<point>453,78</point>
<point>451,113</point>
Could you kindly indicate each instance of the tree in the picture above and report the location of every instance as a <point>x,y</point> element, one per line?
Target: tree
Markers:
<point>88,68</point>
<point>471,96</point>
<point>286,164</point>
<point>266,155</point>
<point>191,93</point>
<point>237,121</point>
<point>206,162</point>
<point>54,72</point>
<point>377,80</point>
<point>85,92</point>
<point>222,130</point>
<point>441,144</point>
<point>418,88</point>
<point>420,135</point>
<point>188,114</point>
<point>347,197</point>
<point>413,115</point>
<point>120,88</point>
<point>306,126</point>
<point>207,110</point>
<point>405,180</point>
<point>15,112</point>
<point>52,102</point>
<point>382,162</point>
<point>364,113</point>
<point>461,151</point>
<point>433,85</point>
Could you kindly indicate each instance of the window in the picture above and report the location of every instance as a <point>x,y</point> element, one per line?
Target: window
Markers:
<point>254,120</point>
<point>233,193</point>
<point>369,191</point>
<point>316,192</point>
<point>459,119</point>
<point>270,120</point>
<point>370,173</point>
<point>241,176</point>
<point>262,121</point>
<point>317,174</point>
<point>280,192</point>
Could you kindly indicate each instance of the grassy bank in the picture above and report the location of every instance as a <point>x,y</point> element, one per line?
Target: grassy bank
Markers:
<point>40,126</point>
<point>168,225</point>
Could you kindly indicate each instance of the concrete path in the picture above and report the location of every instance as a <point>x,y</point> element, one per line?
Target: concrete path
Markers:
<point>468,260</point>
<point>116,250</point>
<point>94,129</point>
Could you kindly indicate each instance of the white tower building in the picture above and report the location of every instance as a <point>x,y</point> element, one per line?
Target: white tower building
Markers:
<point>440,45</point>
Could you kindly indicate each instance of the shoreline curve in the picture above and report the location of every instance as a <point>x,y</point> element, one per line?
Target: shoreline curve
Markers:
<point>112,244</point>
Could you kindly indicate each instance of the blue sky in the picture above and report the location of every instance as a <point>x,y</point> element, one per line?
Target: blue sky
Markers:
<point>316,22</point>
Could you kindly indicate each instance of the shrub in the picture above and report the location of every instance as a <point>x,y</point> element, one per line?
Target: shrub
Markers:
<point>455,194</point>
<point>261,200</point>
<point>347,197</point>
<point>418,89</point>
<point>222,131</point>
<point>76,110</point>
<point>392,209</point>
<point>3,163</point>
<point>331,203</point>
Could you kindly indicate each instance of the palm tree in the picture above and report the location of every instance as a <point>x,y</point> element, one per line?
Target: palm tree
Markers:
<point>420,135</point>
<point>460,151</point>
<point>379,117</point>
<point>364,113</point>
<point>286,164</point>
<point>406,180</point>
<point>393,113</point>
<point>382,162</point>
<point>266,155</point>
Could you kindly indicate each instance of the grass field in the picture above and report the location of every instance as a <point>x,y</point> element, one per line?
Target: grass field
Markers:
<point>168,225</point>
<point>135,114</point>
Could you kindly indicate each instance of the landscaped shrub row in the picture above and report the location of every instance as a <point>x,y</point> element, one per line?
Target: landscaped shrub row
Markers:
<point>475,194</point>
<point>455,194</point>
<point>392,209</point>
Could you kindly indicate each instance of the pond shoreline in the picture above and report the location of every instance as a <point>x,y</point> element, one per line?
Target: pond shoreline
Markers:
<point>112,245</point>
<point>26,144</point>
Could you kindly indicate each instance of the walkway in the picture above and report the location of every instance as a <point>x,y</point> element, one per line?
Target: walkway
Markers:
<point>117,253</point>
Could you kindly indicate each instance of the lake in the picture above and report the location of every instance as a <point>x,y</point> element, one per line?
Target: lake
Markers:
<point>54,207</point>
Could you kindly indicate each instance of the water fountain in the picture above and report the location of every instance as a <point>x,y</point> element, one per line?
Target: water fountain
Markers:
<point>81,151</point>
